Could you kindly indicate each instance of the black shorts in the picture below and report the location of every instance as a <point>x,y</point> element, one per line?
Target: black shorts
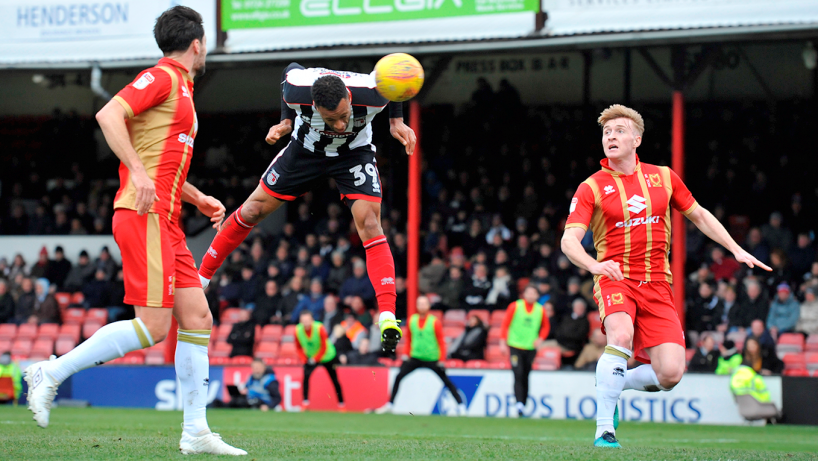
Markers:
<point>296,170</point>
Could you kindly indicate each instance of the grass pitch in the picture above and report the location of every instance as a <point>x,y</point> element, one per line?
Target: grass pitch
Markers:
<point>110,433</point>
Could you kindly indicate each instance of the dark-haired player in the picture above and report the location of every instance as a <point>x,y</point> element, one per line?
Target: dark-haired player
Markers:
<point>329,113</point>
<point>150,125</point>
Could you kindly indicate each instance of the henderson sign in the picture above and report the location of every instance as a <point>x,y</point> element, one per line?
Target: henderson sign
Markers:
<point>249,14</point>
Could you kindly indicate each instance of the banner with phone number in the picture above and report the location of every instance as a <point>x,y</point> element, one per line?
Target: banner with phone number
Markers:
<point>251,14</point>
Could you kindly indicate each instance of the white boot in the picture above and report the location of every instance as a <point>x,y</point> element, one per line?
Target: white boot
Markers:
<point>207,442</point>
<point>387,408</point>
<point>42,389</point>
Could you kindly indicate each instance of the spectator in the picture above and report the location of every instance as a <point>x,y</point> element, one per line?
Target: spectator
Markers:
<point>292,296</point>
<point>262,389</point>
<point>775,235</point>
<point>451,289</point>
<point>358,308</point>
<point>729,302</point>
<point>9,369</point>
<point>729,358</point>
<point>752,307</point>
<point>502,290</point>
<point>723,268</point>
<point>332,316</point>
<point>592,352</point>
<point>268,305</point>
<point>706,358</point>
<point>358,284</point>
<point>97,292</point>
<point>475,292</point>
<point>802,255</point>
<point>41,267</point>
<point>361,356</point>
<point>25,302</point>
<point>781,272</point>
<point>472,342</point>
<point>347,335</point>
<point>572,333</point>
<point>58,269</point>
<point>474,239</point>
<point>314,302</point>
<point>431,276</point>
<point>41,223</point>
<point>18,266</point>
<point>318,268</point>
<point>523,258</point>
<point>784,311</point>
<point>80,274</point>
<point>106,263</point>
<point>497,228</point>
<point>7,306</point>
<point>807,321</point>
<point>46,309</point>
<point>338,273</point>
<point>704,312</point>
<point>243,335</point>
<point>249,287</point>
<point>770,362</point>
<point>756,246</point>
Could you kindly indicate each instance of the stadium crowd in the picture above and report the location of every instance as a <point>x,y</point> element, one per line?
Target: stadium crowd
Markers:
<point>495,197</point>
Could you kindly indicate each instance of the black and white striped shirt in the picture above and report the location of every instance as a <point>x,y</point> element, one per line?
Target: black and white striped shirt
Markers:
<point>309,128</point>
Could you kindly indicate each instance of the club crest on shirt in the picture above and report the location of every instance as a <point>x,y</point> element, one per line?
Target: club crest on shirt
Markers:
<point>616,298</point>
<point>573,207</point>
<point>144,81</point>
<point>272,176</point>
<point>359,122</point>
<point>655,180</point>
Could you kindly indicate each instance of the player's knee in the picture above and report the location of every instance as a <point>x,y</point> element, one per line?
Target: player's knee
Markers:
<point>158,332</point>
<point>620,339</point>
<point>252,212</point>
<point>372,226</point>
<point>669,376</point>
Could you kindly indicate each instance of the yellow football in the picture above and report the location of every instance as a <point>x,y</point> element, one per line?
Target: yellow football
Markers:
<point>398,77</point>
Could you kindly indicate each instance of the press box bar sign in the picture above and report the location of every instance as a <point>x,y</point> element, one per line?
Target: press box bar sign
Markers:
<point>249,14</point>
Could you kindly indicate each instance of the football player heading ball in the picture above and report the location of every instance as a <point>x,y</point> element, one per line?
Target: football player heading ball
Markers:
<point>329,114</point>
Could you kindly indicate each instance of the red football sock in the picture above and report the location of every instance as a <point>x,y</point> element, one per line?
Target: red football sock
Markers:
<point>381,269</point>
<point>234,232</point>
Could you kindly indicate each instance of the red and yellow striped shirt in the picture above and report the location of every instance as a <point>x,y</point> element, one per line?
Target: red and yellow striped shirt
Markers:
<point>629,216</point>
<point>162,125</point>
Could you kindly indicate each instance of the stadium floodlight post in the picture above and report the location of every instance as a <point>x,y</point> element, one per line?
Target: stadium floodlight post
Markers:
<point>678,229</point>
<point>413,211</point>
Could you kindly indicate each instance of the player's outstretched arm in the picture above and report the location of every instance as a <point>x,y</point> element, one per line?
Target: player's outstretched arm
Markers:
<point>571,245</point>
<point>404,134</point>
<point>711,227</point>
<point>209,206</point>
<point>277,132</point>
<point>111,119</point>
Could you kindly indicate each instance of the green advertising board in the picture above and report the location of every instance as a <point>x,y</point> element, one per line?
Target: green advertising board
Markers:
<point>250,14</point>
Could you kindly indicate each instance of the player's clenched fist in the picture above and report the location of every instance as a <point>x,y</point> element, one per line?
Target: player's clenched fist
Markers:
<point>279,131</point>
<point>213,209</point>
<point>608,268</point>
<point>145,191</point>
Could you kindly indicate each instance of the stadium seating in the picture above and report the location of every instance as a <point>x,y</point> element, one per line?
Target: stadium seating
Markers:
<point>48,331</point>
<point>477,364</point>
<point>8,331</point>
<point>288,351</point>
<point>594,322</point>
<point>154,357</point>
<point>689,353</point>
<point>494,353</point>
<point>789,343</point>
<point>231,315</point>
<point>42,348</point>
<point>289,334</point>
<point>437,313</point>
<point>548,358</point>
<point>77,299</point>
<point>795,360</point>
<point>21,347</point>
<point>73,315</point>
<point>494,336</point>
<point>267,350</point>
<point>453,363</point>
<point>802,372</point>
<point>811,359</point>
<point>241,360</point>
<point>222,349</point>
<point>89,328</point>
<point>454,318</point>
<point>63,345</point>
<point>496,319</point>
<point>271,333</point>
<point>27,331</point>
<point>219,360</point>
<point>223,332</point>
<point>450,333</point>
<point>97,314</point>
<point>5,344</point>
<point>811,345</point>
<point>63,299</point>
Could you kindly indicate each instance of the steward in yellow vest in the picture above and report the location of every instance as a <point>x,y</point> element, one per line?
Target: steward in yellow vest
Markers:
<point>315,349</point>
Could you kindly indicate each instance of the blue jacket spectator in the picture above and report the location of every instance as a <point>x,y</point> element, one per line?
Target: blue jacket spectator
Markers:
<point>262,387</point>
<point>314,302</point>
<point>784,310</point>
<point>358,284</point>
